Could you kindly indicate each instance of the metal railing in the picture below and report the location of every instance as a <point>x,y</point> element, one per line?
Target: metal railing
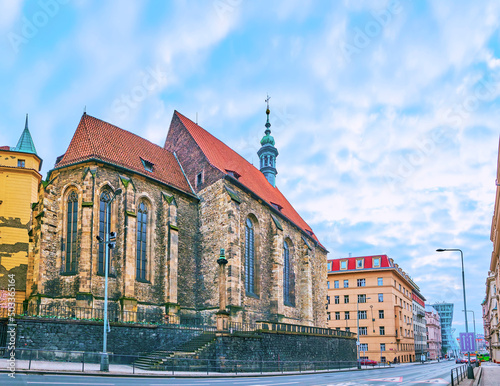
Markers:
<point>32,359</point>
<point>457,374</point>
<point>295,328</point>
<point>63,312</point>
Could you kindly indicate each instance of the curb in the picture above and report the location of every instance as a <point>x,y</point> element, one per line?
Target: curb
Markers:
<point>151,375</point>
<point>477,381</point>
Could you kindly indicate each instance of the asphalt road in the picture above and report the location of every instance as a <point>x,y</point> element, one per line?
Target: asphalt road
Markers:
<point>414,374</point>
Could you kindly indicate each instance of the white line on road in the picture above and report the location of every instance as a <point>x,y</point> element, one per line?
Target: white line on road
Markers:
<point>68,383</point>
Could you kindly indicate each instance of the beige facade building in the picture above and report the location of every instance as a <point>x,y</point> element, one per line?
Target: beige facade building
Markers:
<point>490,319</point>
<point>490,311</point>
<point>375,293</point>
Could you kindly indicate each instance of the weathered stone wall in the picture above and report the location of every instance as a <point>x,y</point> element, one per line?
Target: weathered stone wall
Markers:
<point>173,219</point>
<point>192,159</point>
<point>87,336</point>
<point>222,225</point>
<point>135,339</point>
<point>284,347</point>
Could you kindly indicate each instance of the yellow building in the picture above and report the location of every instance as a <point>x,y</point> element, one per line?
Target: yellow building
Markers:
<point>375,292</point>
<point>19,180</point>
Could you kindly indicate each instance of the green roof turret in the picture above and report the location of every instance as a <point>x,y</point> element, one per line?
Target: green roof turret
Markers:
<point>25,143</point>
<point>268,153</point>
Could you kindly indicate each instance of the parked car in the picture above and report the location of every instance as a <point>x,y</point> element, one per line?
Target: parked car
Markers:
<point>461,360</point>
<point>368,362</point>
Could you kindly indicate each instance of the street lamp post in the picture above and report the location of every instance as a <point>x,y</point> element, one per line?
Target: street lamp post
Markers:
<point>105,357</point>
<point>470,371</point>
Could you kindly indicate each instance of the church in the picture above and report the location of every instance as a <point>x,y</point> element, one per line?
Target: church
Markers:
<point>170,210</point>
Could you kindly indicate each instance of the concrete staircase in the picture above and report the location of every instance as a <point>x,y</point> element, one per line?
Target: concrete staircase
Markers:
<point>156,360</point>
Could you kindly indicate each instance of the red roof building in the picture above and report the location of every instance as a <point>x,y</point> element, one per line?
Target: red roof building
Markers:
<point>173,209</point>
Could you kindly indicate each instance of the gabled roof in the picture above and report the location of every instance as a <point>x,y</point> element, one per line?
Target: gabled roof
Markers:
<point>97,139</point>
<point>25,143</point>
<point>228,161</point>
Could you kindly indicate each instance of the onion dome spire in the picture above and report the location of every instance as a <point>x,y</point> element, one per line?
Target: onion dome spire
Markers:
<point>268,153</point>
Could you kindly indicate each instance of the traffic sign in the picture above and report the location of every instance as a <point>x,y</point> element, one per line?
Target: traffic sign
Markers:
<point>467,342</point>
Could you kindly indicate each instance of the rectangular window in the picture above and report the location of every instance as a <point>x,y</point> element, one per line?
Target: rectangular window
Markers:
<point>363,347</point>
<point>337,301</point>
<point>361,298</point>
<point>348,329</point>
<point>361,314</point>
<point>346,283</point>
<point>361,282</point>
<point>21,163</point>
<point>382,346</point>
<point>359,263</point>
<point>343,264</point>
<point>400,288</point>
<point>376,262</point>
<point>329,265</point>
<point>382,359</point>
<point>336,284</point>
<point>346,315</point>
<point>380,281</point>
<point>346,299</point>
<point>328,284</point>
<point>327,299</point>
<point>363,331</point>
<point>328,316</point>
<point>382,330</point>
<point>337,315</point>
<point>381,314</point>
<point>380,298</point>
<point>199,179</point>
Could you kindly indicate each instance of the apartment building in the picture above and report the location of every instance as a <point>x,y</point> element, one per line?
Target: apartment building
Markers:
<point>372,296</point>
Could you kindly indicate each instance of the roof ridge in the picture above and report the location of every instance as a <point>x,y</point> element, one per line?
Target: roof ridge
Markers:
<point>128,132</point>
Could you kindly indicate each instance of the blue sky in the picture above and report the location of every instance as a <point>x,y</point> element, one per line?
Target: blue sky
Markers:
<point>385,113</point>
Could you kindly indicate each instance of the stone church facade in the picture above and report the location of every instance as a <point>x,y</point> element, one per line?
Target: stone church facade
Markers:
<point>172,209</point>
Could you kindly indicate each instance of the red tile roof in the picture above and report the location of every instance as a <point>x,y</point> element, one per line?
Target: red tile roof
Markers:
<point>4,147</point>
<point>226,159</point>
<point>96,139</point>
<point>368,262</point>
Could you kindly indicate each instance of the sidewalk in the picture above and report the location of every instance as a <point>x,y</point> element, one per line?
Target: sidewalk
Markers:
<point>75,368</point>
<point>490,376</point>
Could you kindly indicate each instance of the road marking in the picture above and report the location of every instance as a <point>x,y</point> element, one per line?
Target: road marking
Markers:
<point>68,383</point>
<point>433,381</point>
<point>393,379</point>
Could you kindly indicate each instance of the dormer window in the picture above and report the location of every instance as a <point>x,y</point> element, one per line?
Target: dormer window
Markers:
<point>148,166</point>
<point>376,262</point>
<point>359,263</point>
<point>276,206</point>
<point>234,174</point>
<point>21,163</point>
<point>343,264</point>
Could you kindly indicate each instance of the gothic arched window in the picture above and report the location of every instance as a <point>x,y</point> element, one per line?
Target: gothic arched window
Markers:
<point>142,243</point>
<point>286,273</point>
<point>104,227</point>
<point>70,261</point>
<point>249,257</point>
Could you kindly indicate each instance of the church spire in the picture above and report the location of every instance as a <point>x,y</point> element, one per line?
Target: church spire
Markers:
<point>268,153</point>
<point>25,143</point>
